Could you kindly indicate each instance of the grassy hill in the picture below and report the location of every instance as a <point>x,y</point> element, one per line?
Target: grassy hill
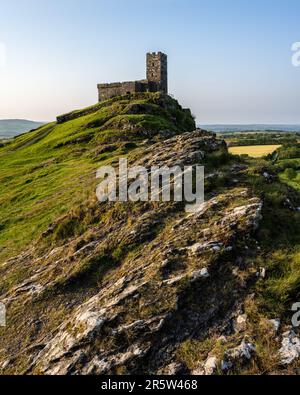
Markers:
<point>48,171</point>
<point>144,287</point>
<point>12,127</point>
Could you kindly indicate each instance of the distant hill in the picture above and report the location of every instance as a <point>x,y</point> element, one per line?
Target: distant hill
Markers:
<point>253,127</point>
<point>13,127</point>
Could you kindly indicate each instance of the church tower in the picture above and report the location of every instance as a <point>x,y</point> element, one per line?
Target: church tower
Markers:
<point>157,71</point>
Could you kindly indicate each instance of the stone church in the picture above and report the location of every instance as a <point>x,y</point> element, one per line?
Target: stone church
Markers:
<point>156,80</point>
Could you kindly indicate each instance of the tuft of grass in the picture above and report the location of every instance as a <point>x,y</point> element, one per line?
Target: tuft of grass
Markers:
<point>260,331</point>
<point>191,351</point>
<point>282,287</point>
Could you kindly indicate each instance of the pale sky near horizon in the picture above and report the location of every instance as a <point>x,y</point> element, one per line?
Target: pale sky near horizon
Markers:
<point>229,60</point>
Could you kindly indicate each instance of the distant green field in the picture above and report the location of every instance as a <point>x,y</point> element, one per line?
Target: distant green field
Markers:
<point>256,151</point>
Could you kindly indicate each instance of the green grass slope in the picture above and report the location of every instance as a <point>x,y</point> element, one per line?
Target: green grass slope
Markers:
<point>51,170</point>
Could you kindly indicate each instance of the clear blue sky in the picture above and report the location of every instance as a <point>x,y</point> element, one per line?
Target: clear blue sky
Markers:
<point>229,60</point>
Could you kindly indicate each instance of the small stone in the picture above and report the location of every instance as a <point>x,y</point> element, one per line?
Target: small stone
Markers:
<point>241,323</point>
<point>222,339</point>
<point>175,279</point>
<point>261,273</point>
<point>290,347</point>
<point>5,364</point>
<point>238,355</point>
<point>210,366</point>
<point>196,248</point>
<point>203,273</point>
<point>275,324</point>
<point>165,262</point>
<point>226,365</point>
<point>171,369</point>
<point>199,371</point>
<point>199,247</point>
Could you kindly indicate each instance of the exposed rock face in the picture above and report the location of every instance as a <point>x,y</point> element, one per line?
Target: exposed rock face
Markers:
<point>183,150</point>
<point>171,287</point>
<point>103,316</point>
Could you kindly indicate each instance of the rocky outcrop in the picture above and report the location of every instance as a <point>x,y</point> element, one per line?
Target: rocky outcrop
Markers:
<point>169,285</point>
<point>141,304</point>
